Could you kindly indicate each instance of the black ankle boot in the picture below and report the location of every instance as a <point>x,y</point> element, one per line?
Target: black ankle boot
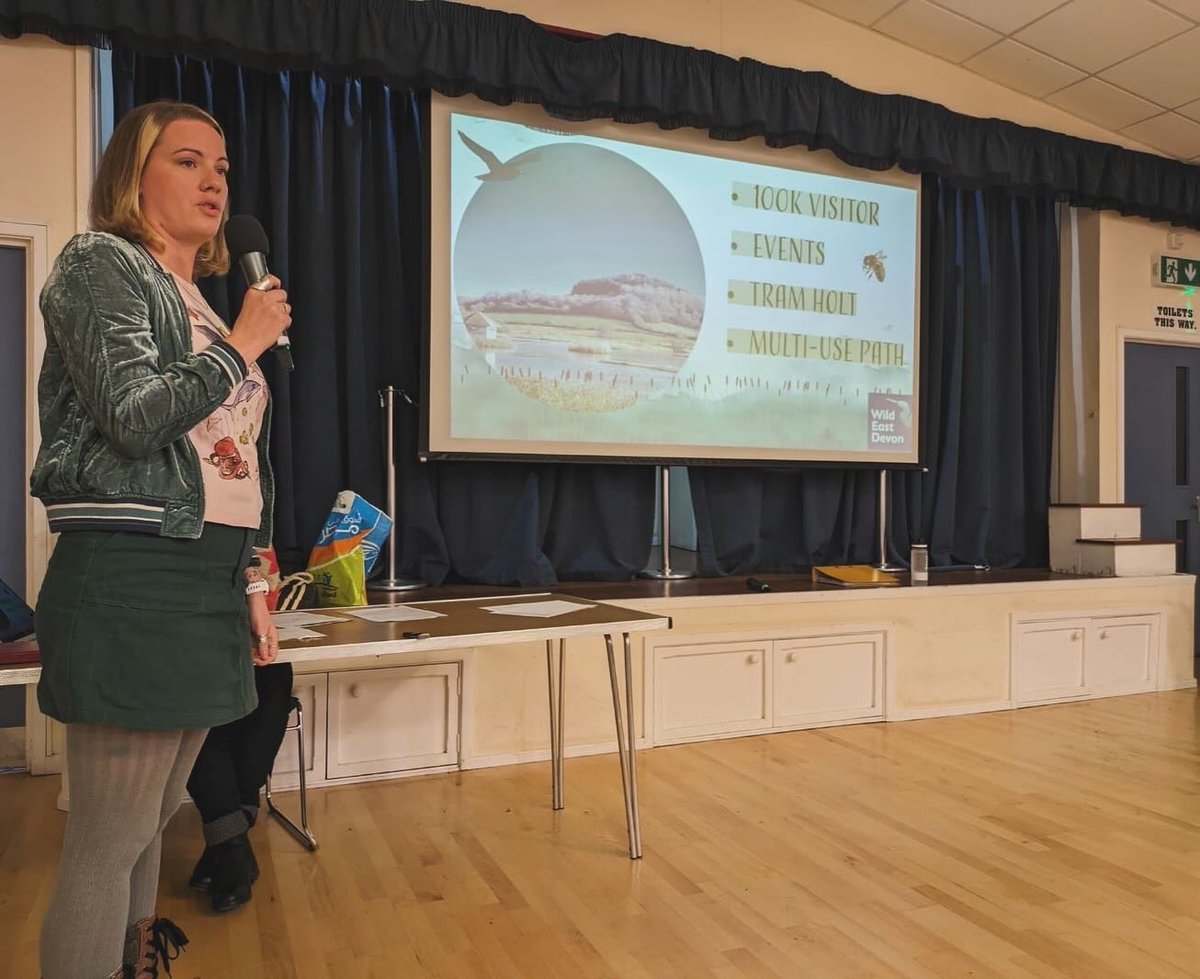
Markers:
<point>234,871</point>
<point>201,879</point>
<point>202,874</point>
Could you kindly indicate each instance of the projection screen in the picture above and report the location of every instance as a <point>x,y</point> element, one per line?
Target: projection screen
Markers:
<point>616,292</point>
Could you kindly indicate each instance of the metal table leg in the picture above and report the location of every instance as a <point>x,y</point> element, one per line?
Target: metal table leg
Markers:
<point>554,679</point>
<point>626,743</point>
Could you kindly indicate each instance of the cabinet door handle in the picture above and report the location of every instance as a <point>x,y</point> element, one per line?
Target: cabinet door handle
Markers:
<point>1074,637</point>
<point>354,690</point>
<point>1103,633</point>
<point>791,658</point>
<point>752,658</point>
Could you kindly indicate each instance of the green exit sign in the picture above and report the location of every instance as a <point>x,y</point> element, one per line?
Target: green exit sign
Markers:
<point>1176,270</point>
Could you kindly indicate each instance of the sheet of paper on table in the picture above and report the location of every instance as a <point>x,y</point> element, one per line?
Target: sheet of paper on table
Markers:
<point>539,610</point>
<point>392,613</point>
<point>295,632</point>
<point>286,620</point>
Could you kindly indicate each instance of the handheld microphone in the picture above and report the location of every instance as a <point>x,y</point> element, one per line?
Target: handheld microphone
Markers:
<point>247,242</point>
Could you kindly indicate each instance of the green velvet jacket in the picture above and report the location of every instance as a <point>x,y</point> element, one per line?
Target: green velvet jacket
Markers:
<point>118,392</point>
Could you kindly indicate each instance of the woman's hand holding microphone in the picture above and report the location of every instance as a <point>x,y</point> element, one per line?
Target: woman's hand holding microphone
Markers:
<point>266,315</point>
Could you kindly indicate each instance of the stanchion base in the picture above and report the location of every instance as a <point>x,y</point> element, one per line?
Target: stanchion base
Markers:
<point>885,566</point>
<point>396,584</point>
<point>660,575</point>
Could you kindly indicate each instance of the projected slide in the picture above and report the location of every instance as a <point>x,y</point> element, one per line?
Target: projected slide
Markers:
<point>620,298</point>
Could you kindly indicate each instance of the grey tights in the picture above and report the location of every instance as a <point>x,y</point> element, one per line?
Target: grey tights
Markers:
<point>125,785</point>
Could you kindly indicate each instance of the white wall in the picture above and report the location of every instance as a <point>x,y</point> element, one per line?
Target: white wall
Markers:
<point>1075,475</point>
<point>45,141</point>
<point>46,154</point>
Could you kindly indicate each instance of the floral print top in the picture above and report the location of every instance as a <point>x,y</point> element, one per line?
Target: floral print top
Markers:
<point>226,440</point>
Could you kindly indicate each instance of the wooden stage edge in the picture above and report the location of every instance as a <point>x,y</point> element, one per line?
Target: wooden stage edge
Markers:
<point>646,589</point>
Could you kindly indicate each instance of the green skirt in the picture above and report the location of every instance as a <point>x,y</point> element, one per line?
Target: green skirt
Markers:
<point>140,631</point>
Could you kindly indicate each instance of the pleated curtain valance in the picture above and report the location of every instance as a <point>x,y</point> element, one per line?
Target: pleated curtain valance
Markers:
<point>457,49</point>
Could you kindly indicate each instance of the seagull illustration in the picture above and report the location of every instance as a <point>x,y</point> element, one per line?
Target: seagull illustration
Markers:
<point>496,169</point>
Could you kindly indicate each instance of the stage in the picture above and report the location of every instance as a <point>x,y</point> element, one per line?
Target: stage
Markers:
<point>736,662</point>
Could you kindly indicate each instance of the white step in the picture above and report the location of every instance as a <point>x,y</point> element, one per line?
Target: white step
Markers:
<point>1126,558</point>
<point>1071,521</point>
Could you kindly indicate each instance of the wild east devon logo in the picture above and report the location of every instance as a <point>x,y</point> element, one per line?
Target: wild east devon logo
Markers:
<point>889,421</point>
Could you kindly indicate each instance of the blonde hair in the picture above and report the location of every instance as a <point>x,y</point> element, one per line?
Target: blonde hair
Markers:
<point>115,206</point>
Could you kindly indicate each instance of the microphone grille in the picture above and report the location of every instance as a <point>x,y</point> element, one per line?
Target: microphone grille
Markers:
<point>243,234</point>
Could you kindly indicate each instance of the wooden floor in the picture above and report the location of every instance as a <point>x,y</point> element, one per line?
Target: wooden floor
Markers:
<point>1056,841</point>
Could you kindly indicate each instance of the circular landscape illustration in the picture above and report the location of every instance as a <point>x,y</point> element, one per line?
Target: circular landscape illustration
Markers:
<point>578,276</point>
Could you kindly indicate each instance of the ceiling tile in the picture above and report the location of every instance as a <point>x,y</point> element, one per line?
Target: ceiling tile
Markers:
<point>862,11</point>
<point>1170,132</point>
<point>1013,64</point>
<point>930,28</point>
<point>1094,34</point>
<point>1003,17</point>
<point>1189,8</point>
<point>1168,74</point>
<point>1191,110</point>
<point>1104,104</point>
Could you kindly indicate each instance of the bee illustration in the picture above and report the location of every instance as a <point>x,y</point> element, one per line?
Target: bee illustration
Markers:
<point>873,265</point>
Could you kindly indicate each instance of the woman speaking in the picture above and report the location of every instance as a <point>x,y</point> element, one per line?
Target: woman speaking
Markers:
<point>153,468</point>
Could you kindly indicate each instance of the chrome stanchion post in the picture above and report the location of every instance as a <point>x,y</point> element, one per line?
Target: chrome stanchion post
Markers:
<point>665,573</point>
<point>387,401</point>
<point>884,564</point>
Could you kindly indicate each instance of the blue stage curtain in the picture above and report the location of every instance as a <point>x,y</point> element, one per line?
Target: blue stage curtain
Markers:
<point>334,170</point>
<point>990,307</point>
<point>990,338</point>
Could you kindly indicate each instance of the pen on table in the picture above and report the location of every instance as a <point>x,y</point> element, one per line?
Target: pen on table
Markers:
<point>416,635</point>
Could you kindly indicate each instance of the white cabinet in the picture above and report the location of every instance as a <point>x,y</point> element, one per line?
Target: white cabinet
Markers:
<point>723,688</point>
<point>823,679</point>
<point>1047,661</point>
<point>362,724</point>
<point>1122,655</point>
<point>1072,657</point>
<point>711,688</point>
<point>392,720</point>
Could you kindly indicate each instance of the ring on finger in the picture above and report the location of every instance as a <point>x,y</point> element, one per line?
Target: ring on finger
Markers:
<point>259,640</point>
